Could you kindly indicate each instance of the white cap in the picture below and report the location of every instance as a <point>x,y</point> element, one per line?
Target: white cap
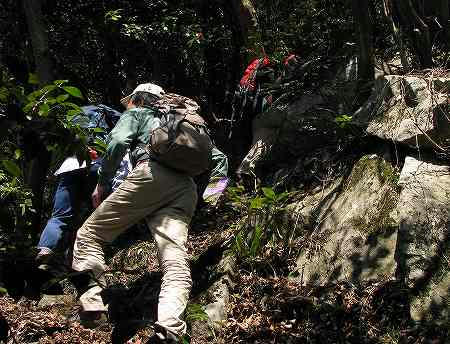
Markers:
<point>149,88</point>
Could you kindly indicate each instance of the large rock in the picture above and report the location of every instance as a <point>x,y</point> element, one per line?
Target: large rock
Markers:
<point>408,109</point>
<point>354,227</point>
<point>307,125</point>
<point>424,210</point>
<point>53,300</point>
<point>286,132</point>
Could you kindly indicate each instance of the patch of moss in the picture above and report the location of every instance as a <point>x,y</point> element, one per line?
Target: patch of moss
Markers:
<point>378,220</point>
<point>384,171</point>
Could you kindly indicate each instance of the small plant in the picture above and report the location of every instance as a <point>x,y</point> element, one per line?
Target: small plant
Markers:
<point>195,312</point>
<point>259,228</point>
<point>343,121</point>
<point>15,208</point>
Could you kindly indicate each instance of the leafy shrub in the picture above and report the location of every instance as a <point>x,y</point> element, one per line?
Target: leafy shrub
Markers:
<point>259,230</point>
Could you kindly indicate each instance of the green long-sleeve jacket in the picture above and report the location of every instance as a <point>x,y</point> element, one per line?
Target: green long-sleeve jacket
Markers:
<point>131,131</point>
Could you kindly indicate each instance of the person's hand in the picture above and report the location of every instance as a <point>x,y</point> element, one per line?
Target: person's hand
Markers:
<point>97,195</point>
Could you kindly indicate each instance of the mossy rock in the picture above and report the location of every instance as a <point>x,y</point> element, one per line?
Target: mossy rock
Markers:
<point>354,227</point>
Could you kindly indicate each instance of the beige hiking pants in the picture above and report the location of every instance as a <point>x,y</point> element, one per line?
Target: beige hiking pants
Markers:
<point>167,200</point>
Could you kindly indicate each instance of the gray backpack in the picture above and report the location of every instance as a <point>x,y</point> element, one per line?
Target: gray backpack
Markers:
<point>182,141</point>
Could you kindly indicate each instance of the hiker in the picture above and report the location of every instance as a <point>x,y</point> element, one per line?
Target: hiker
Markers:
<point>76,181</point>
<point>264,128</point>
<point>163,196</point>
<point>248,101</point>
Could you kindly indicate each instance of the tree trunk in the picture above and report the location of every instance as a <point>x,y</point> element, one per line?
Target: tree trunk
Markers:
<point>443,13</point>
<point>39,40</point>
<point>38,162</point>
<point>113,91</point>
<point>366,65</point>
<point>396,32</point>
<point>416,29</point>
<point>130,72</point>
<point>245,25</point>
<point>35,172</point>
<point>213,55</point>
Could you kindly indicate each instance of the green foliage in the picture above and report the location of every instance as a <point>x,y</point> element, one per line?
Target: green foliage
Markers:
<point>259,229</point>
<point>67,133</point>
<point>343,120</point>
<point>16,207</point>
<point>52,119</point>
<point>11,167</point>
<point>195,312</point>
<point>15,210</point>
<point>304,27</point>
<point>113,15</point>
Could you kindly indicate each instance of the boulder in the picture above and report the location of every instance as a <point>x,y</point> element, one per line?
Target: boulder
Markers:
<point>412,110</point>
<point>353,225</point>
<point>56,300</point>
<point>423,243</point>
<point>306,126</point>
<point>219,295</point>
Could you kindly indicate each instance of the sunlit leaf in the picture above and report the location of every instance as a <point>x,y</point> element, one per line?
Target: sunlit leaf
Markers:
<point>48,88</point>
<point>100,146</point>
<point>71,113</point>
<point>12,168</point>
<point>240,244</point>
<point>72,105</point>
<point>17,153</point>
<point>195,312</point>
<point>256,241</point>
<point>4,94</point>
<point>33,95</point>
<point>62,98</point>
<point>269,193</point>
<point>60,82</point>
<point>256,203</point>
<point>44,109</point>
<point>73,91</point>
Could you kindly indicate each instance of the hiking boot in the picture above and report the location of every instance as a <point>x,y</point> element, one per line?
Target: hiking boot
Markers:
<point>93,319</point>
<point>154,334</point>
<point>162,336</point>
<point>51,263</point>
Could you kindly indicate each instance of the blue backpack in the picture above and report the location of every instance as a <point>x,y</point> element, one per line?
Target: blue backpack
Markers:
<point>98,116</point>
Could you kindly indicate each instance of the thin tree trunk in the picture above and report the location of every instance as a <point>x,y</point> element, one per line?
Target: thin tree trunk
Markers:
<point>38,163</point>
<point>243,16</point>
<point>397,33</point>
<point>113,92</point>
<point>366,65</point>
<point>443,12</point>
<point>130,72</point>
<point>213,55</point>
<point>35,171</point>
<point>417,31</point>
<point>39,40</point>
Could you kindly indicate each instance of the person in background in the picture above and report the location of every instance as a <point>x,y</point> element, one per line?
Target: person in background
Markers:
<point>76,182</point>
<point>265,128</point>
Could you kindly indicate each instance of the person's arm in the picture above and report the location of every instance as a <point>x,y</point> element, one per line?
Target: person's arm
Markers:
<point>219,163</point>
<point>212,184</point>
<point>118,142</point>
